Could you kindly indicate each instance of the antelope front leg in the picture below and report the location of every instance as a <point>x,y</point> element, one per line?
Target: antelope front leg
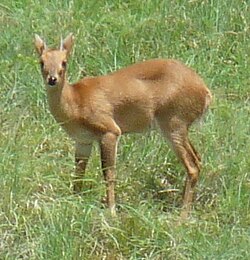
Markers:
<point>82,154</point>
<point>108,145</point>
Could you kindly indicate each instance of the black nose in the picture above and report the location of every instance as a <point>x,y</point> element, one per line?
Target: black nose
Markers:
<point>52,81</point>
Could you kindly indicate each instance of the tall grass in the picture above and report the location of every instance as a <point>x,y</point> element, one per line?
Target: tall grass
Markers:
<point>39,216</point>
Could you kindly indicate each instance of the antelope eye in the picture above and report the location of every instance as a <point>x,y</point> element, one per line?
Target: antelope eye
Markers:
<point>64,64</point>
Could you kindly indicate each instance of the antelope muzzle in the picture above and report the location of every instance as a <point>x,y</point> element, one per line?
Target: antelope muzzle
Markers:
<point>52,80</point>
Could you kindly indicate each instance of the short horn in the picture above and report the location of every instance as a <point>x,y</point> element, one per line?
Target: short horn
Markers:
<point>61,44</point>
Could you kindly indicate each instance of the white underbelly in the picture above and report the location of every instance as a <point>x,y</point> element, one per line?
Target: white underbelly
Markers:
<point>78,133</point>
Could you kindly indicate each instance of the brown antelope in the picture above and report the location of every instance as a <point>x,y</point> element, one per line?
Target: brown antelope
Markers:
<point>103,108</point>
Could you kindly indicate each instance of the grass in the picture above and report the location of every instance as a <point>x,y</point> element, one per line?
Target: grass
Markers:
<point>40,218</point>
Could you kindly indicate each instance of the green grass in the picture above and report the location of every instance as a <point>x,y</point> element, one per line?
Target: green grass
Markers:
<point>40,218</point>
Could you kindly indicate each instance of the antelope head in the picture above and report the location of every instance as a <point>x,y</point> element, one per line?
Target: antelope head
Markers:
<point>54,61</point>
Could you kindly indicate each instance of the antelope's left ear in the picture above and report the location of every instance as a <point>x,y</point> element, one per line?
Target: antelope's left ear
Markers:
<point>67,43</point>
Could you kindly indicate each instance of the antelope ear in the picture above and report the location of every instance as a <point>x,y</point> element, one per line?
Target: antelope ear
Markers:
<point>39,44</point>
<point>67,43</point>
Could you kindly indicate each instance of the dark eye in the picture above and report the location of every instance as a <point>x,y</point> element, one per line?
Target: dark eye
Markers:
<point>42,64</point>
<point>64,64</point>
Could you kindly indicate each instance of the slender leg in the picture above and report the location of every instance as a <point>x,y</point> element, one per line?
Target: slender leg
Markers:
<point>187,156</point>
<point>82,154</point>
<point>196,154</point>
<point>177,132</point>
<point>108,145</point>
<point>190,183</point>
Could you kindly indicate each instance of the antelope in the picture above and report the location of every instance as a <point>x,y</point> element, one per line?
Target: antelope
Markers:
<point>102,108</point>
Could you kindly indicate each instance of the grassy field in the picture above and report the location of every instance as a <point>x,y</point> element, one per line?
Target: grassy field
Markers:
<point>39,216</point>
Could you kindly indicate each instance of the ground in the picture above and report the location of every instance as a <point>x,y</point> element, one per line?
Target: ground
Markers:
<point>39,216</point>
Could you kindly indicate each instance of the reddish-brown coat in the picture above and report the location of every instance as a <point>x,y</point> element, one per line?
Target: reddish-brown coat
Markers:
<point>128,100</point>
